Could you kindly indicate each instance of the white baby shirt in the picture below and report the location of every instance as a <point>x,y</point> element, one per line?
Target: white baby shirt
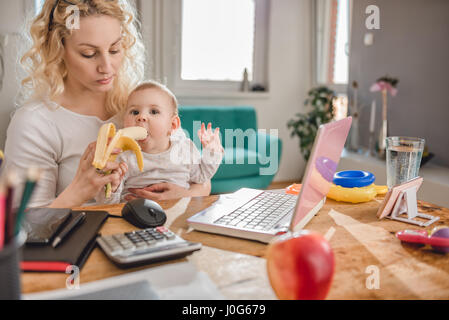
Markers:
<point>181,164</point>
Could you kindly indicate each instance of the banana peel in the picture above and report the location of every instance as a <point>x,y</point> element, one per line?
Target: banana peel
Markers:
<point>106,132</point>
<point>124,139</point>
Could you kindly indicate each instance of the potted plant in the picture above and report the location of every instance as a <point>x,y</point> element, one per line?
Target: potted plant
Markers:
<point>305,126</point>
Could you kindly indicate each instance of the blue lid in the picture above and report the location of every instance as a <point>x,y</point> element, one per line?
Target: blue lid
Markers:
<point>354,178</point>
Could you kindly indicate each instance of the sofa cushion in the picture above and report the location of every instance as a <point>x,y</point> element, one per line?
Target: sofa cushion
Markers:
<point>224,117</point>
<point>241,163</point>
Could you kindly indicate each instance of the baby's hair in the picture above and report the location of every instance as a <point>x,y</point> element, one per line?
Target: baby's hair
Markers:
<point>151,84</point>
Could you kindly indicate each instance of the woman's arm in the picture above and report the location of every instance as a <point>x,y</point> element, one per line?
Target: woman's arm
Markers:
<point>34,141</point>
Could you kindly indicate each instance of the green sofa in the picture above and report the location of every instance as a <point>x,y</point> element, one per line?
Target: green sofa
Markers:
<point>251,157</point>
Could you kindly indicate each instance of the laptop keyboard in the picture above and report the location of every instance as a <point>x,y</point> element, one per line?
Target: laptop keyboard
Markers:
<point>261,213</point>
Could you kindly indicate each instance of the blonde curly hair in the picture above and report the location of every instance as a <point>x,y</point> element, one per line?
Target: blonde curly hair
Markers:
<point>44,64</point>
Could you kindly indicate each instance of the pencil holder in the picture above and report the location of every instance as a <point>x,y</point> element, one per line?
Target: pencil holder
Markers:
<point>10,257</point>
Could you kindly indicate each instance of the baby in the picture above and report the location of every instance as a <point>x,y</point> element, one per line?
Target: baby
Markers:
<point>168,155</point>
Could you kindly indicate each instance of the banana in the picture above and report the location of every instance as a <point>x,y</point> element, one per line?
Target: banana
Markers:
<point>137,133</point>
<point>124,139</point>
<point>106,132</point>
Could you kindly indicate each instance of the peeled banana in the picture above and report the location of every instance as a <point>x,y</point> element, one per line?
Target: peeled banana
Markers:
<point>124,139</point>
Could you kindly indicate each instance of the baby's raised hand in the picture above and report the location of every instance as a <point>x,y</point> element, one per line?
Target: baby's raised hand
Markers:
<point>210,139</point>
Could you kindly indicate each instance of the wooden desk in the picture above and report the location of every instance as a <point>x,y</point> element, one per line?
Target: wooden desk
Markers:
<point>362,245</point>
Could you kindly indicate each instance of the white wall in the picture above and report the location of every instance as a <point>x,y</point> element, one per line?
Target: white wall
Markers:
<point>290,70</point>
<point>12,15</point>
<point>412,45</point>
<point>289,75</point>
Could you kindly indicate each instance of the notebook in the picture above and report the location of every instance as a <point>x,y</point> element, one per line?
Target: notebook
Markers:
<point>74,250</point>
<point>261,215</point>
<point>43,224</point>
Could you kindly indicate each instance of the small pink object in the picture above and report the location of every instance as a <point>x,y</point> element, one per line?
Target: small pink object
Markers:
<point>438,243</point>
<point>161,229</point>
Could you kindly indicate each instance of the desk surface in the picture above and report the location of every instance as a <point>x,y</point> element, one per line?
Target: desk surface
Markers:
<point>363,247</point>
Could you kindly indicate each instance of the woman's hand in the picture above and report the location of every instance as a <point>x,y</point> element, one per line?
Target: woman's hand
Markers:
<point>88,181</point>
<point>167,191</point>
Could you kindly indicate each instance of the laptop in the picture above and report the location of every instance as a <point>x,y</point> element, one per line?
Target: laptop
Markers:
<point>262,215</point>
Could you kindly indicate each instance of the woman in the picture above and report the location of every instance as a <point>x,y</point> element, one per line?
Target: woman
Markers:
<point>79,76</point>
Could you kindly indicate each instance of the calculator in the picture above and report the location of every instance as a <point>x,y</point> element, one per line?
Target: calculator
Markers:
<point>145,246</point>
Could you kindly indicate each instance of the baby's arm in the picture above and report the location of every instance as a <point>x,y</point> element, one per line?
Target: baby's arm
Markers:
<point>212,155</point>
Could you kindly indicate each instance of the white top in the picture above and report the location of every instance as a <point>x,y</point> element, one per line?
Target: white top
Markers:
<point>51,137</point>
<point>181,164</point>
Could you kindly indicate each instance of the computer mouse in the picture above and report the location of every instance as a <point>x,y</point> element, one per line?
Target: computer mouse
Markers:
<point>144,213</point>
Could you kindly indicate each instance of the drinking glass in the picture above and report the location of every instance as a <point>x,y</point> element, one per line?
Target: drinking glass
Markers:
<point>403,159</point>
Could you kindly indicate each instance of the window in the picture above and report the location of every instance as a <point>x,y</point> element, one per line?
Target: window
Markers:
<point>222,50</point>
<point>38,4</point>
<point>332,41</point>
<point>331,67</point>
<point>340,62</point>
<point>200,47</point>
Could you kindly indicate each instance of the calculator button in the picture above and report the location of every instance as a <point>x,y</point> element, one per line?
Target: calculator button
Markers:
<point>151,242</point>
<point>141,244</point>
<point>161,229</point>
<point>116,251</point>
<point>169,235</point>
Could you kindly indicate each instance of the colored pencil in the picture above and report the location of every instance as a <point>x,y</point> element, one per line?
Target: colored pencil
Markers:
<point>1,157</point>
<point>12,182</point>
<point>32,178</point>
<point>2,215</point>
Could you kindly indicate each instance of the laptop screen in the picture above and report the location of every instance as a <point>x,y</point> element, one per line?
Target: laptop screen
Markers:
<point>320,170</point>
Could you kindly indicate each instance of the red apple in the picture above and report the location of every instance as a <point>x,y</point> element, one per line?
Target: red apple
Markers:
<point>300,266</point>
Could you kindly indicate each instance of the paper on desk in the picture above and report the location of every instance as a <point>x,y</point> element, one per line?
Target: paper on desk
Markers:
<point>169,282</point>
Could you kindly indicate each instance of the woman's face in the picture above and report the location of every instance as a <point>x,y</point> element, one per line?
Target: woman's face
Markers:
<point>94,53</point>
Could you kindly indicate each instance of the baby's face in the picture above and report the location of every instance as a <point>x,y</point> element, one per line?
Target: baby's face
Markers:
<point>152,109</point>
